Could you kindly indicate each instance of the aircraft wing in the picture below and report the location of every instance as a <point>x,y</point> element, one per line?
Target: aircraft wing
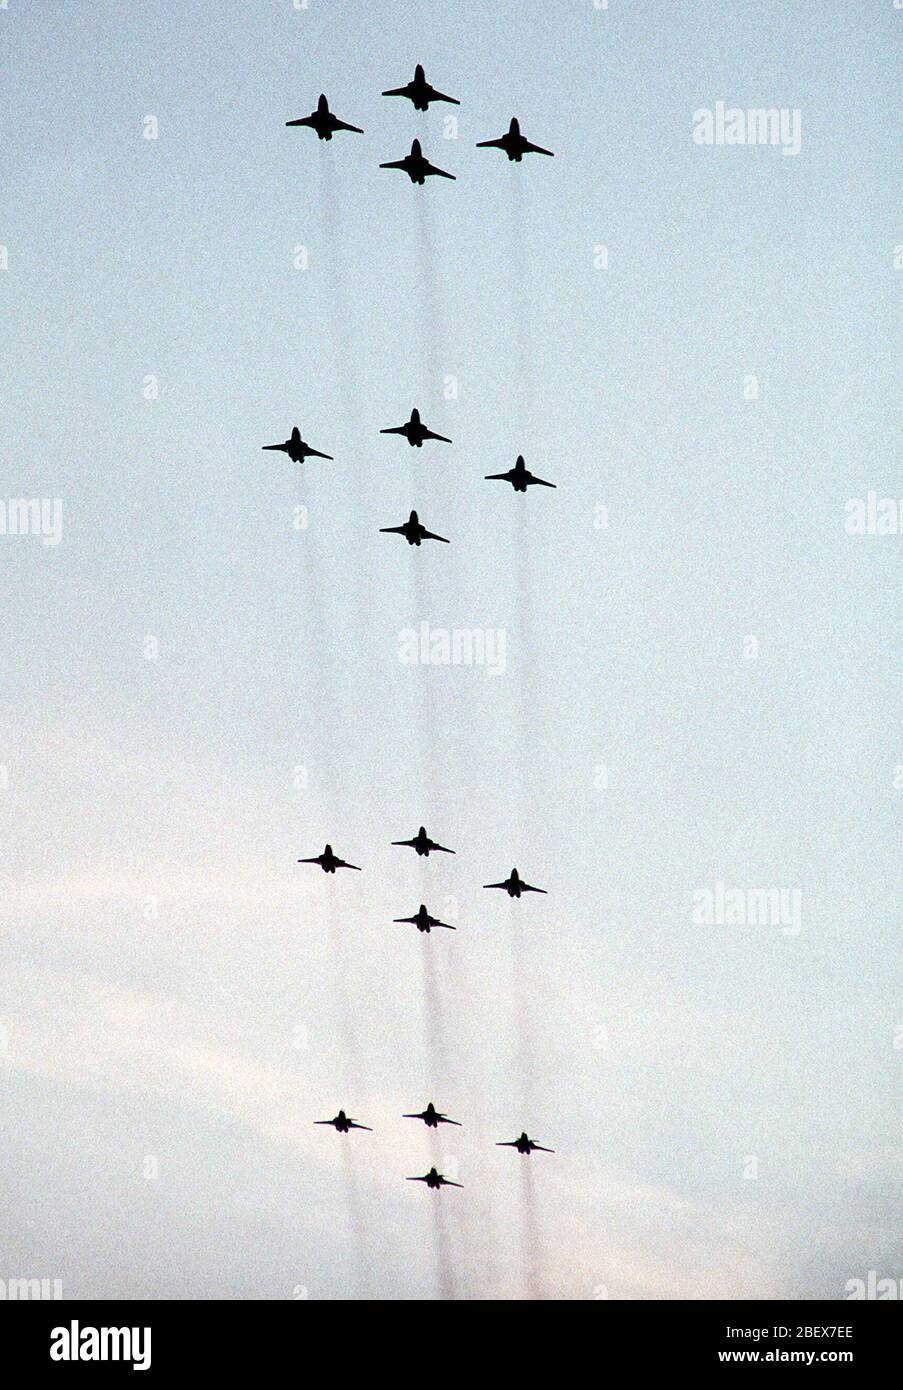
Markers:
<point>431,169</point>
<point>323,1122</point>
<point>507,1144</point>
<point>315,454</point>
<point>303,120</point>
<point>423,1179</point>
<point>535,149</point>
<point>502,477</point>
<point>393,530</point>
<point>395,429</point>
<point>343,864</point>
<point>495,885</point>
<point>431,434</point>
<point>447,1182</point>
<point>343,125</point>
<point>413,922</point>
<point>440,96</point>
<point>409,844</point>
<point>446,1121</point>
<point>528,888</point>
<point>397,92</point>
<point>491,144</point>
<point>315,860</point>
<point>353,1124</point>
<point>543,1150</point>
<point>282,448</point>
<point>394,164</point>
<point>443,924</point>
<point>431,536</point>
<point>542,482</point>
<point>442,848</point>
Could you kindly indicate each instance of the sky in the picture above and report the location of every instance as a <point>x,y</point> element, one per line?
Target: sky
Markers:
<point>203,680</point>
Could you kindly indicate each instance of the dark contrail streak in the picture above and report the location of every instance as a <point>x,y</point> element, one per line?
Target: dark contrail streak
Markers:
<point>530,1233</point>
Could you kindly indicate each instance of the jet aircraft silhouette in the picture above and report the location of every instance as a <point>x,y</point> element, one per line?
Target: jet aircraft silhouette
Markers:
<point>423,844</point>
<point>343,1123</point>
<point>328,862</point>
<point>417,166</point>
<point>515,885</point>
<point>413,532</point>
<point>432,1118</point>
<point>524,1145</point>
<point>296,448</point>
<point>435,1180</point>
<point>423,921</point>
<point>513,143</point>
<point>324,122</point>
<point>415,431</point>
<point>420,92</point>
<point>519,477</point>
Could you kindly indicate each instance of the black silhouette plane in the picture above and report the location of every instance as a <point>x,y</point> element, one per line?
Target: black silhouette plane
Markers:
<point>423,844</point>
<point>328,862</point>
<point>515,885</point>
<point>420,92</point>
<point>435,1180</point>
<point>523,1145</point>
<point>423,921</point>
<point>417,166</point>
<point>415,431</point>
<point>432,1118</point>
<point>343,1123</point>
<point>413,532</point>
<point>324,122</point>
<point>519,477</point>
<point>513,143</point>
<point>296,448</point>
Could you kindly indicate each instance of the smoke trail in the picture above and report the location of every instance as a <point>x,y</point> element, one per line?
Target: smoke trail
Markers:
<point>530,1233</point>
<point>442,1247</point>
<point>356,1224</point>
<point>433,1017</point>
<point>346,373</point>
<point>519,264</point>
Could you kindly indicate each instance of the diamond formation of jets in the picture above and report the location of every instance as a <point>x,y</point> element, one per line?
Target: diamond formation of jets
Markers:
<point>519,477</point>
<point>524,1145</point>
<point>413,532</point>
<point>513,143</point>
<point>324,122</point>
<point>415,431</point>
<point>328,861</point>
<point>423,921</point>
<point>296,448</point>
<point>432,1118</point>
<point>435,1180</point>
<point>417,166</point>
<point>343,1123</point>
<point>423,844</point>
<point>420,92</point>
<point>514,885</point>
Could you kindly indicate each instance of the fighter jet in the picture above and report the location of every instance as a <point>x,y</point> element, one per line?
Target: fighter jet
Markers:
<point>415,431</point>
<point>515,885</point>
<point>519,477</point>
<point>328,862</point>
<point>343,1123</point>
<point>431,1118</point>
<point>417,166</point>
<point>423,844</point>
<point>423,921</point>
<point>436,1180</point>
<point>324,122</point>
<point>413,532</point>
<point>523,1145</point>
<point>296,448</point>
<point>420,92</point>
<point>513,143</point>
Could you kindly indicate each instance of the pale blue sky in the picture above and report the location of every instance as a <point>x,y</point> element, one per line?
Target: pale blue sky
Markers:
<point>167,1028</point>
